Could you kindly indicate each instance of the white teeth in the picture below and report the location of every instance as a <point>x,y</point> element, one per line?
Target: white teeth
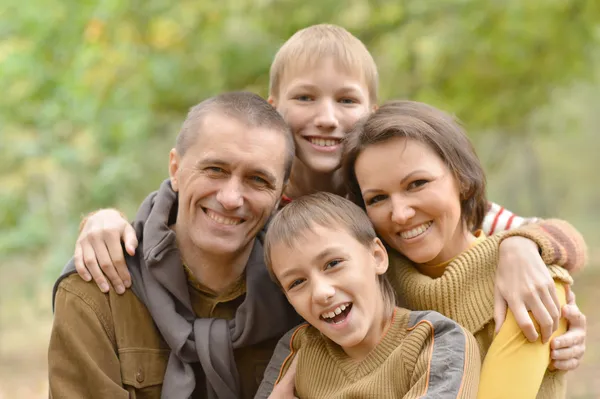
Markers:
<point>417,231</point>
<point>222,219</point>
<point>323,142</point>
<point>335,312</point>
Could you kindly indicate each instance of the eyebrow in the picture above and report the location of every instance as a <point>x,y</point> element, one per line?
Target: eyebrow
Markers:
<point>404,179</point>
<point>346,88</point>
<point>321,255</point>
<point>256,171</point>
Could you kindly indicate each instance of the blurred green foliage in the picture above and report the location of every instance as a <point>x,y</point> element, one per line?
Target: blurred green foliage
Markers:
<point>93,93</point>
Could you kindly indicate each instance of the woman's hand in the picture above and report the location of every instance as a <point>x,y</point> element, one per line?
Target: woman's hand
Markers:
<point>568,349</point>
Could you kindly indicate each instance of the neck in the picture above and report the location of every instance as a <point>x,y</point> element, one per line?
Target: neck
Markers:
<point>375,334</point>
<point>304,181</point>
<point>461,241</point>
<point>215,271</point>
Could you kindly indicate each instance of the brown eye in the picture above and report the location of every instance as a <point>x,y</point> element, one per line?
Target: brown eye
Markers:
<point>417,184</point>
<point>375,199</point>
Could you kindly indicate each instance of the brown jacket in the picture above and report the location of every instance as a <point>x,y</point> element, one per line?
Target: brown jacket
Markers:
<point>107,346</point>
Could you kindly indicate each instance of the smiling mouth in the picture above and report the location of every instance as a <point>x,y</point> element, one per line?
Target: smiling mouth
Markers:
<point>226,220</point>
<point>319,142</point>
<point>417,231</point>
<point>338,315</point>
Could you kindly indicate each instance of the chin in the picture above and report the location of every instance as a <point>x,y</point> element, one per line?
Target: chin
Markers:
<point>218,246</point>
<point>325,167</point>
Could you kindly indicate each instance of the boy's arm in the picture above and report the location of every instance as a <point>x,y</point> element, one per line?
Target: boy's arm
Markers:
<point>278,379</point>
<point>558,241</point>
<point>561,243</point>
<point>448,364</point>
<point>82,361</point>
<point>513,366</point>
<point>98,250</point>
<point>523,282</point>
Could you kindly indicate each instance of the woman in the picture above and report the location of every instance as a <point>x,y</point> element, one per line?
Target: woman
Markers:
<point>428,207</point>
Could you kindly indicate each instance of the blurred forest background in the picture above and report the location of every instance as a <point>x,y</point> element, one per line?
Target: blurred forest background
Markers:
<point>92,94</point>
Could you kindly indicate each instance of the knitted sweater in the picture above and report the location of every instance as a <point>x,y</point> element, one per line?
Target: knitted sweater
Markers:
<point>422,354</point>
<point>465,293</point>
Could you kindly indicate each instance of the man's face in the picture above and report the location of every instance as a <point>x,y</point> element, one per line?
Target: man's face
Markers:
<point>321,103</point>
<point>229,183</point>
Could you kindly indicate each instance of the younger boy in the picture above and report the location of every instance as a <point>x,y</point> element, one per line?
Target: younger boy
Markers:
<point>323,252</point>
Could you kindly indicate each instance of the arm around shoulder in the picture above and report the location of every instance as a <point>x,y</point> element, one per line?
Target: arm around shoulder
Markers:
<point>82,358</point>
<point>559,242</point>
<point>279,365</point>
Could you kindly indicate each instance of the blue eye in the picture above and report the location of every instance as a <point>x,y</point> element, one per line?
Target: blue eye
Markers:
<point>259,180</point>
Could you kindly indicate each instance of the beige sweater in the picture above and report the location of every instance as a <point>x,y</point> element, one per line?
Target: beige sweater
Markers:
<point>465,293</point>
<point>422,354</point>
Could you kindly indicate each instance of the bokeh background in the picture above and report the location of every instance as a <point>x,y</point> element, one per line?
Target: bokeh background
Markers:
<point>92,94</point>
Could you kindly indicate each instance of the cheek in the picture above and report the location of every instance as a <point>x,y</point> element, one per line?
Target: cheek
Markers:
<point>296,118</point>
<point>351,116</point>
<point>262,203</point>
<point>379,218</point>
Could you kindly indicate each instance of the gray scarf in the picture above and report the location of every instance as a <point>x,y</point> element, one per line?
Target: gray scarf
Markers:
<point>159,281</point>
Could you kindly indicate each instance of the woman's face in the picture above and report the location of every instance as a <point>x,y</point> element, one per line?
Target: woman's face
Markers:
<point>413,200</point>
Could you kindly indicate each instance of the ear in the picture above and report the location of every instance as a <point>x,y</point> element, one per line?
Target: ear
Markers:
<point>271,100</point>
<point>381,256</point>
<point>374,108</point>
<point>174,164</point>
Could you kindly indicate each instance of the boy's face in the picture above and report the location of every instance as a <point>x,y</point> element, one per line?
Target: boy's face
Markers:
<point>321,103</point>
<point>331,280</point>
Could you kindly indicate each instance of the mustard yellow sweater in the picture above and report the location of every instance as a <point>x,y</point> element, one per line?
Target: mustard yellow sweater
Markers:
<point>465,293</point>
<point>422,354</point>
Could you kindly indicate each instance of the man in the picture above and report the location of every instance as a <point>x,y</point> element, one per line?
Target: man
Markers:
<point>174,336</point>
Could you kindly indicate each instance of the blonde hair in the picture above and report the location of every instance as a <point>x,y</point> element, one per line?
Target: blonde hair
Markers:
<point>317,42</point>
<point>326,210</point>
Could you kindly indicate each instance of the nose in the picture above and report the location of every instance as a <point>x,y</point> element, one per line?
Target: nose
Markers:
<point>326,118</point>
<point>402,211</point>
<point>323,291</point>
<point>230,195</point>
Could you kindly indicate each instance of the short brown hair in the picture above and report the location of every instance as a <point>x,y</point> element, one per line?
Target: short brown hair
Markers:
<point>437,129</point>
<point>326,210</point>
<point>317,42</point>
<point>248,108</point>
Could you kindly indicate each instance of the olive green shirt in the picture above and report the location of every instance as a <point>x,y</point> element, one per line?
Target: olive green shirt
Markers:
<point>107,346</point>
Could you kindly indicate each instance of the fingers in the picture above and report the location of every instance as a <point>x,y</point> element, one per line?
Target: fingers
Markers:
<point>115,252</point>
<point>130,240</point>
<point>499,309</point>
<point>524,321</point>
<point>79,266</point>
<point>551,305</point>
<point>570,295</point>
<point>90,262</point>
<point>572,352</point>
<point>99,244</point>
<point>543,317</point>
<point>566,365</point>
<point>574,317</point>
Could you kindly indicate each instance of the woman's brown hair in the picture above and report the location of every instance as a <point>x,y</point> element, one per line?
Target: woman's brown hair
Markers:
<point>438,130</point>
